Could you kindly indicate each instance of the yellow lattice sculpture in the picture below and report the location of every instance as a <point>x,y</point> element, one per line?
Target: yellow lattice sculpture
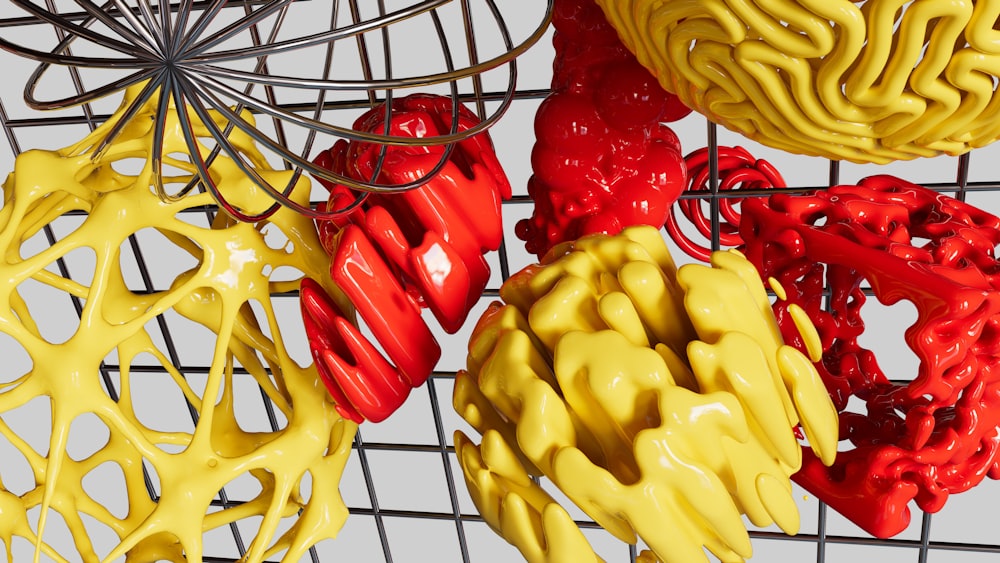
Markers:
<point>868,81</point>
<point>662,402</point>
<point>234,268</point>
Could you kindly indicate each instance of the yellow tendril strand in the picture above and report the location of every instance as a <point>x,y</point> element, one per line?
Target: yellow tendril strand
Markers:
<point>869,81</point>
<point>579,380</point>
<point>233,269</point>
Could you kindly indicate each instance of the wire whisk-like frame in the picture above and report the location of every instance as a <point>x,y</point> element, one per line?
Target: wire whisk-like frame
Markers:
<point>186,55</point>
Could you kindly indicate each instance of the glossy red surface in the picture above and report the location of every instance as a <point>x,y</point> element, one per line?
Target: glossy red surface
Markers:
<point>397,253</point>
<point>602,160</point>
<point>921,436</point>
<point>737,170</point>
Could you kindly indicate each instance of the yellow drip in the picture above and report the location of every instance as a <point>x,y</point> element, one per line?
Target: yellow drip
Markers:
<point>582,382</point>
<point>234,268</point>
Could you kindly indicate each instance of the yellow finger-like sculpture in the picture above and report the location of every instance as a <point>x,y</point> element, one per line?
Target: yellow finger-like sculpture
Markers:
<point>661,402</point>
<point>233,267</point>
<point>865,81</point>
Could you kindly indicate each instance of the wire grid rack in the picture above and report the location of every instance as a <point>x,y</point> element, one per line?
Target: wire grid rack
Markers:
<point>402,483</point>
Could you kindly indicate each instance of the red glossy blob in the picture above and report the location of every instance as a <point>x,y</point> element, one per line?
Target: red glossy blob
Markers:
<point>630,97</point>
<point>602,159</point>
<point>919,440</point>
<point>397,253</point>
<point>572,124</point>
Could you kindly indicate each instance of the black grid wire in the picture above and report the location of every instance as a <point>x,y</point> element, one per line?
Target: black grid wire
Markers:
<point>386,457</point>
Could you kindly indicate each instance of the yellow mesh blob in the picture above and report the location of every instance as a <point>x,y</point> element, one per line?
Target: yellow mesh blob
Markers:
<point>869,81</point>
<point>232,270</point>
<point>661,402</point>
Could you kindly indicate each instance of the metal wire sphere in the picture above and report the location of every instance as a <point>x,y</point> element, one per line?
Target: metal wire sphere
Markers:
<point>186,55</point>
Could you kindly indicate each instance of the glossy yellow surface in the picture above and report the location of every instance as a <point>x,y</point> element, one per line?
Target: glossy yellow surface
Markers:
<point>232,267</point>
<point>660,401</point>
<point>869,81</point>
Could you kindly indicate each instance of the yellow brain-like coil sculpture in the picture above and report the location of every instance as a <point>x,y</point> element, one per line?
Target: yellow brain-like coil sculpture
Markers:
<point>661,402</point>
<point>868,81</point>
<point>233,268</point>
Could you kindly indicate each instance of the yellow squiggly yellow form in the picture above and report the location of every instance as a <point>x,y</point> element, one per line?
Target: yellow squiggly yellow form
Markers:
<point>234,268</point>
<point>866,81</point>
<point>661,402</point>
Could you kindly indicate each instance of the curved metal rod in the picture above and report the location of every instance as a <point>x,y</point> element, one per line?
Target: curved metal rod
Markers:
<point>183,16</point>
<point>376,138</point>
<point>337,34</point>
<point>329,129</point>
<point>159,124</point>
<point>74,60</point>
<point>249,170</point>
<point>135,24</point>
<point>201,24</point>
<point>409,82</point>
<point>282,197</point>
<point>201,169</point>
<point>310,167</point>
<point>89,96</point>
<point>302,163</point>
<point>192,82</point>
<point>235,28</point>
<point>137,104</point>
<point>146,11</point>
<point>383,150</point>
<point>191,90</point>
<point>78,99</point>
<point>78,30</point>
<point>101,14</point>
<point>260,67</point>
<point>166,28</point>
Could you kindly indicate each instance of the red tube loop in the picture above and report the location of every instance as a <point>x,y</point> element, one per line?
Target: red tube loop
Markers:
<point>738,170</point>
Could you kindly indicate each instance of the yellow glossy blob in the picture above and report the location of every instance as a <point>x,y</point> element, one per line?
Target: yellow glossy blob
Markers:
<point>868,81</point>
<point>232,268</point>
<point>661,402</point>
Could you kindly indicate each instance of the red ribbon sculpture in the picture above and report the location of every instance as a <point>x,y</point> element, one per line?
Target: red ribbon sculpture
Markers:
<point>738,170</point>
<point>602,159</point>
<point>922,439</point>
<point>397,253</point>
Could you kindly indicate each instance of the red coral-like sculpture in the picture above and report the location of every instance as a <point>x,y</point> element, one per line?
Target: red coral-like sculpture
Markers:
<point>396,253</point>
<point>922,439</point>
<point>602,159</point>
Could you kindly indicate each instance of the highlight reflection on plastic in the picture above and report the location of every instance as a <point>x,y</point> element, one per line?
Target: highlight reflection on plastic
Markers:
<point>661,402</point>
<point>233,267</point>
<point>397,253</point>
<point>923,439</point>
